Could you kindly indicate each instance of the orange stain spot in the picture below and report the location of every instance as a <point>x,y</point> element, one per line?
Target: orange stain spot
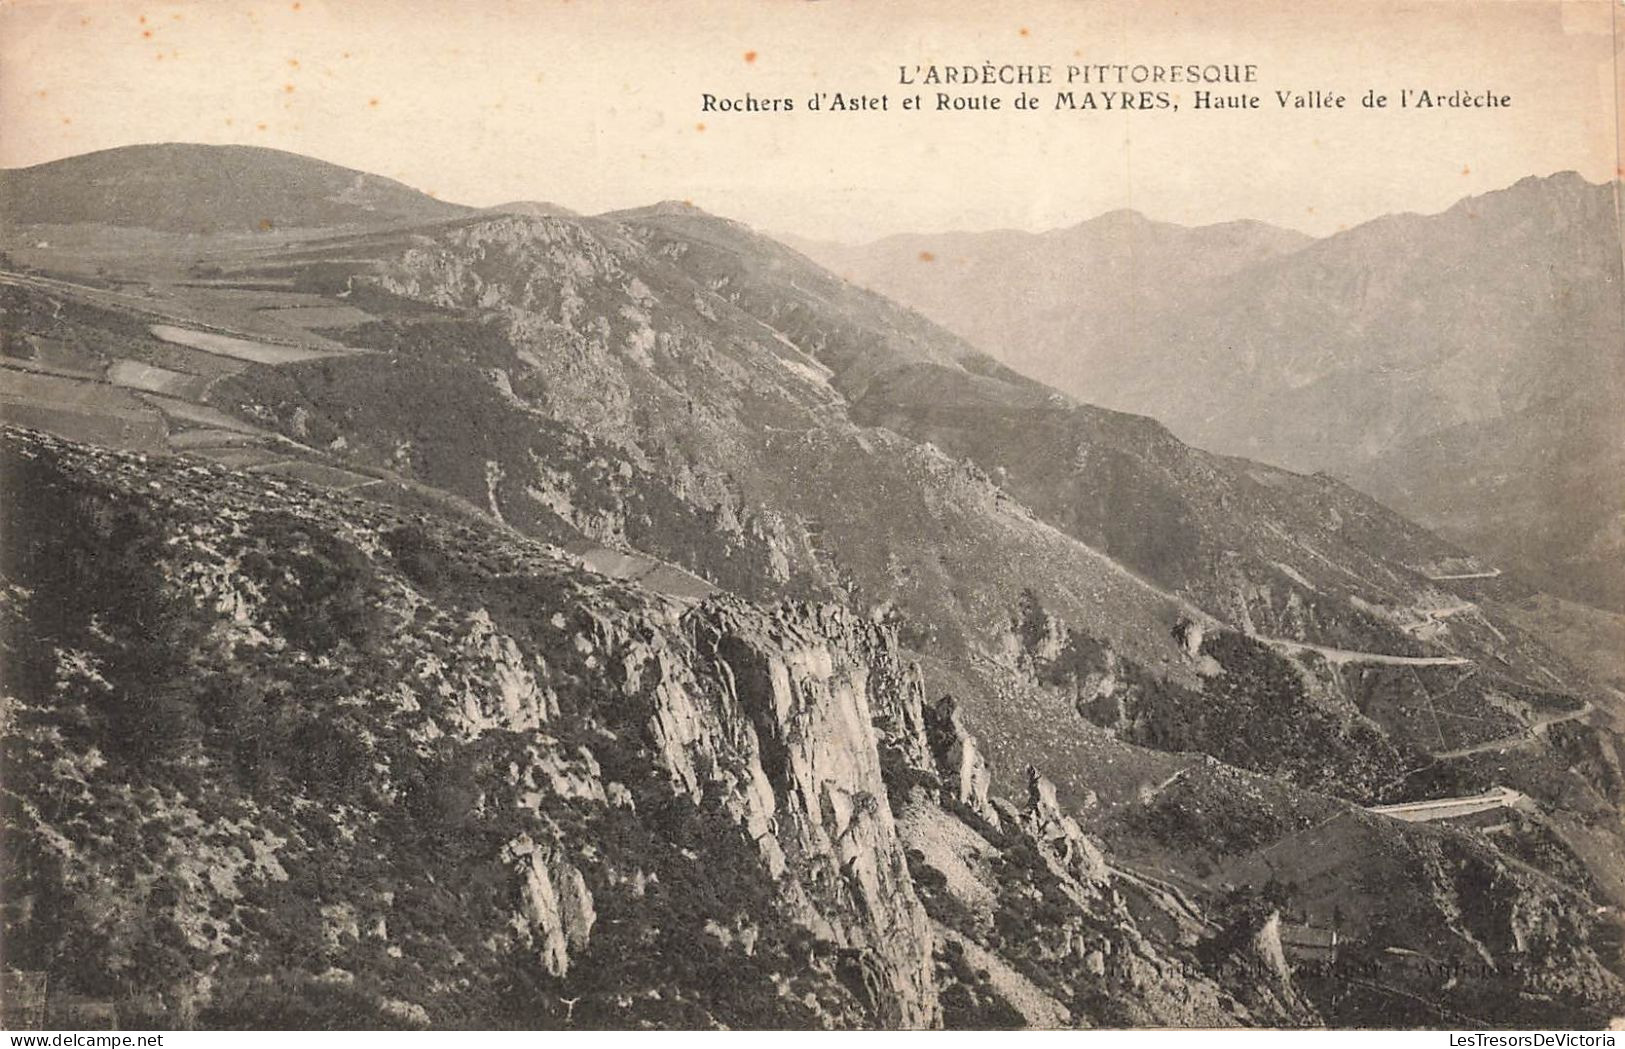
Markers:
<point>750,56</point>
<point>67,120</point>
<point>142,20</point>
<point>228,121</point>
<point>293,63</point>
<point>40,93</point>
<point>266,226</point>
<point>373,102</point>
<point>287,89</point>
<point>1465,170</point>
<point>159,56</point>
<point>1310,210</point>
<point>146,34</point>
<point>926,256</point>
<point>260,126</point>
<point>1024,31</point>
<point>297,5</point>
<point>699,127</point>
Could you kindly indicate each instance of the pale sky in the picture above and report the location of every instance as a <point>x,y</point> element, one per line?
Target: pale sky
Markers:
<point>597,106</point>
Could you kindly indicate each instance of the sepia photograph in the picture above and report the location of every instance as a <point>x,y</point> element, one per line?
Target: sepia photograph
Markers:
<point>714,515</point>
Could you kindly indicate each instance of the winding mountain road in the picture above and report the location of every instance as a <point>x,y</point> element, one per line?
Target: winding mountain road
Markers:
<point>1445,808</point>
<point>1534,731</point>
<point>1340,656</point>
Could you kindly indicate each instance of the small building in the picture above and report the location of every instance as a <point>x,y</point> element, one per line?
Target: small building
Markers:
<point>1308,944</point>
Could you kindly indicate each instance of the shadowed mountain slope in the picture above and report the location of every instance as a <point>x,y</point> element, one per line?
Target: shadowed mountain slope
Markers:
<point>182,188</point>
<point>1464,366</point>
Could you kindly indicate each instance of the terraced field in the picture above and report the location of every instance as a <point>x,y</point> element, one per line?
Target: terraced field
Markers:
<point>80,410</point>
<point>239,349</point>
<point>135,375</point>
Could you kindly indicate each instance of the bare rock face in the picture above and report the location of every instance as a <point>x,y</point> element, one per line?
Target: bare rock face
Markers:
<point>901,720</point>
<point>956,755</point>
<point>1050,826</point>
<point>1189,633</point>
<point>1100,697</point>
<point>1099,685</point>
<point>775,718</point>
<point>557,913</point>
<point>806,692</point>
<point>1266,944</point>
<point>499,686</point>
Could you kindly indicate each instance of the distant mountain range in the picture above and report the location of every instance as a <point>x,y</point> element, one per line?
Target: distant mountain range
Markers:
<point>1025,296</point>
<point>534,208</point>
<point>1466,366</point>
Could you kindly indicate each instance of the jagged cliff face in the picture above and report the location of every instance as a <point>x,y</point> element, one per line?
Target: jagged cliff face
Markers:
<point>763,721</point>
<point>299,757</point>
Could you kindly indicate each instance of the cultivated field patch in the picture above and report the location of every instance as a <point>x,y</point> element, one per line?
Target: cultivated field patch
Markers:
<point>149,377</point>
<point>240,349</point>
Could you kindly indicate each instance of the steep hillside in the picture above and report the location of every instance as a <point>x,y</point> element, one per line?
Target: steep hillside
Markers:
<point>1473,924</point>
<point>299,760</point>
<point>183,188</point>
<point>279,757</point>
<point>809,420</point>
<point>672,385</point>
<point>1535,489</point>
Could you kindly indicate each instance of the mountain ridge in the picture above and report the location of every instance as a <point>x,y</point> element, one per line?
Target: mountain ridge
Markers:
<point>199,188</point>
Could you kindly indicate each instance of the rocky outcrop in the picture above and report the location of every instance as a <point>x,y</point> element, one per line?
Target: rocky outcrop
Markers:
<point>804,687</point>
<point>1050,825</point>
<point>957,757</point>
<point>1267,949</point>
<point>901,719</point>
<point>1190,633</point>
<point>497,686</point>
<point>1258,966</point>
<point>772,718</point>
<point>556,907</point>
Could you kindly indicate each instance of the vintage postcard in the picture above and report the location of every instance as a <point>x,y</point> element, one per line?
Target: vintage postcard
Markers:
<point>718,515</point>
